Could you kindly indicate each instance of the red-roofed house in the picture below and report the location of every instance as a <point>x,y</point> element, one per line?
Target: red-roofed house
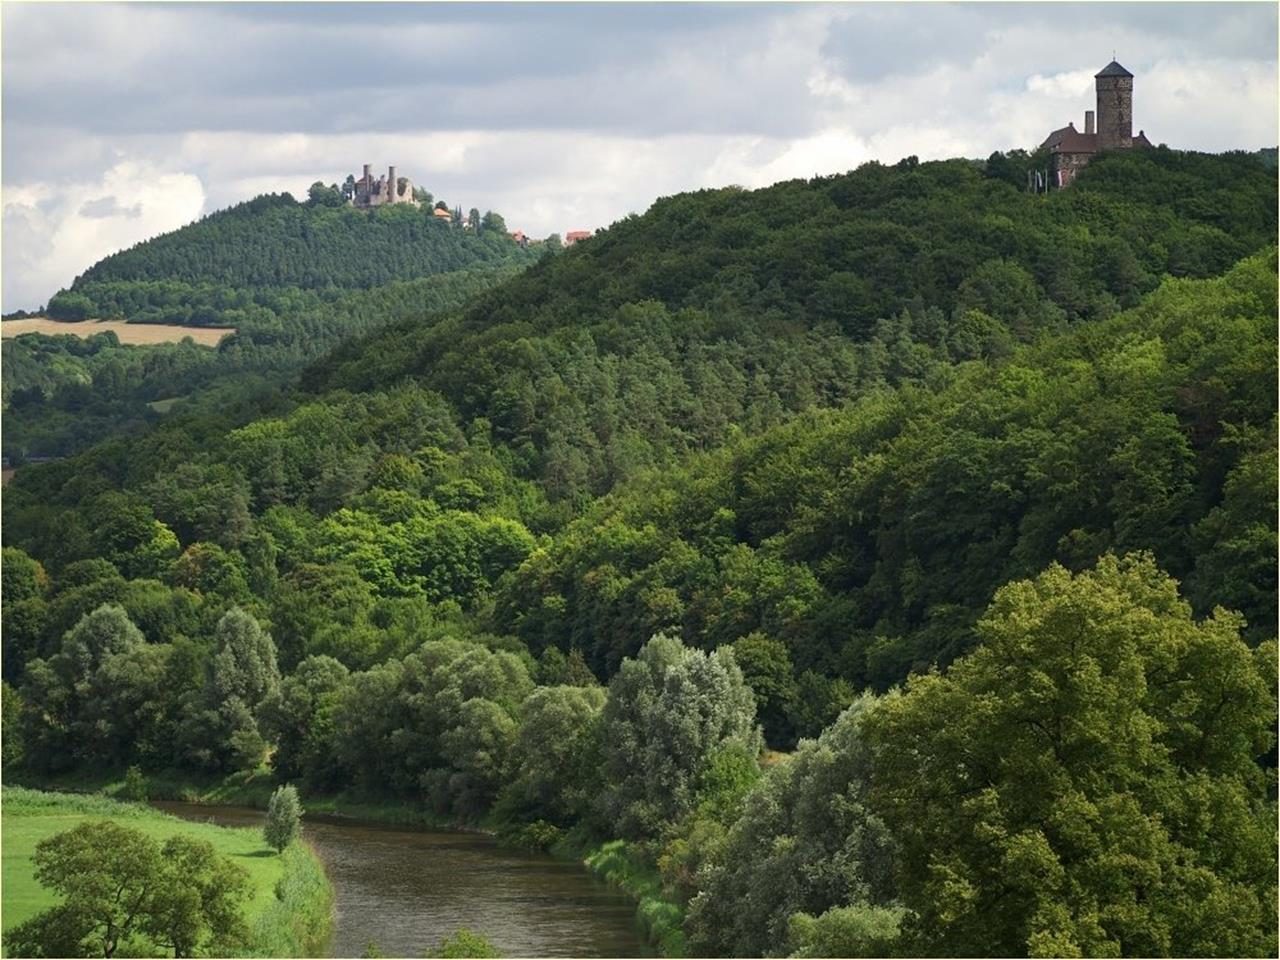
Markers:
<point>573,236</point>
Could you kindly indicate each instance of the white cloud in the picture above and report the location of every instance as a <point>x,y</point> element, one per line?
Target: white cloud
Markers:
<point>561,117</point>
<point>49,236</point>
<point>1072,85</point>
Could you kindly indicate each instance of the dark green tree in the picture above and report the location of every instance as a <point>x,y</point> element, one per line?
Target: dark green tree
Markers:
<point>552,773</point>
<point>109,876</point>
<point>197,908</point>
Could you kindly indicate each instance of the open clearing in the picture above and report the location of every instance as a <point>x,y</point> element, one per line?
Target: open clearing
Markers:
<point>165,405</point>
<point>137,333</point>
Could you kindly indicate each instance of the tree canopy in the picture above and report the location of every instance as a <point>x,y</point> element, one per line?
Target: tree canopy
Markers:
<point>960,498</point>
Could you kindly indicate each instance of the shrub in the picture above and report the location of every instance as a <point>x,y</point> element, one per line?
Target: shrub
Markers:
<point>284,817</point>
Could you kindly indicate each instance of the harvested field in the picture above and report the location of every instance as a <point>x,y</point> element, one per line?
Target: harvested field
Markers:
<point>136,333</point>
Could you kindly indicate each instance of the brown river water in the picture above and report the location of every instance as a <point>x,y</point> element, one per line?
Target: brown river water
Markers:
<point>407,890</point>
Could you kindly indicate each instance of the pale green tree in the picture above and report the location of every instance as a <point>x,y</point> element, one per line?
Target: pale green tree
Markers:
<point>1085,782</point>
<point>667,712</point>
<point>806,842</point>
<point>284,817</point>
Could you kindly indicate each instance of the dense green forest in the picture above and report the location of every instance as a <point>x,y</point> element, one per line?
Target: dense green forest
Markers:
<point>961,497</point>
<point>292,279</point>
<point>228,267</point>
<point>733,309</point>
<point>63,394</point>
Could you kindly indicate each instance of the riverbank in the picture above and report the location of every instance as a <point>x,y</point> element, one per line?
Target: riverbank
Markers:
<point>289,915</point>
<point>246,789</point>
<point>661,920</point>
<point>615,862</point>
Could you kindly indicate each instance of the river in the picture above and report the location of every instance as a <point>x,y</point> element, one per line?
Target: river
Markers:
<point>407,890</point>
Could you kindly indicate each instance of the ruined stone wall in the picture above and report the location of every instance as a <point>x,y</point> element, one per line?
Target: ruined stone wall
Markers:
<point>1068,164</point>
<point>374,192</point>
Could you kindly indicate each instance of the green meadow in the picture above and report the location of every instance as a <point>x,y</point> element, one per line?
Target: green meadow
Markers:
<point>289,913</point>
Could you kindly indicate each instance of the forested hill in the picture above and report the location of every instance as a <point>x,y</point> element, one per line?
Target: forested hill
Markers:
<point>293,279</point>
<point>734,307</point>
<point>273,243</point>
<point>758,461</point>
<point>864,543</point>
<point>63,394</point>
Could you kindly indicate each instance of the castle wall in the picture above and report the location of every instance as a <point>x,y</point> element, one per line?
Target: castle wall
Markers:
<point>1065,166</point>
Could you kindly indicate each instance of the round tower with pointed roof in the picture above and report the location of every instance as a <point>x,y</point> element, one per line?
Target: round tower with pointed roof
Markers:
<point>1115,107</point>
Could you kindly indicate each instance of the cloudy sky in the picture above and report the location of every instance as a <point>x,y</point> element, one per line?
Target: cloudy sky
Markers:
<point>123,121</point>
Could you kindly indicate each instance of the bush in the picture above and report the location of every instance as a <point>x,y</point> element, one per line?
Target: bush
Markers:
<point>533,837</point>
<point>135,786</point>
<point>465,943</point>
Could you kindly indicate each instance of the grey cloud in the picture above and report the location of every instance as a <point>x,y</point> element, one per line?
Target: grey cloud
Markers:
<point>104,207</point>
<point>633,69</point>
<point>582,111</point>
<point>631,17</point>
<point>877,40</point>
<point>238,67</point>
<point>884,40</point>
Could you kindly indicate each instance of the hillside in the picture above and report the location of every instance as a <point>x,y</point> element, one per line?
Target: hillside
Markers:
<point>293,279</point>
<point>868,541</point>
<point>962,497</point>
<point>571,379</point>
<point>736,309</point>
<point>218,270</point>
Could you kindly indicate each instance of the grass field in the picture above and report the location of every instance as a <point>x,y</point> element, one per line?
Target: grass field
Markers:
<point>28,816</point>
<point>247,789</point>
<point>136,333</point>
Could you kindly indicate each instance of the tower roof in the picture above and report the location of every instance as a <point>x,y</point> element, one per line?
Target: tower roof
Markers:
<point>1112,69</point>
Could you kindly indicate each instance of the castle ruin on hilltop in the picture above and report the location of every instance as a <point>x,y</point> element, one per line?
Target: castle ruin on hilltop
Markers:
<point>368,192</point>
<point>1070,150</point>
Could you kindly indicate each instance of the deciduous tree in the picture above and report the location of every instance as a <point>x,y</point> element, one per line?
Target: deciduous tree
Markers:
<point>1085,781</point>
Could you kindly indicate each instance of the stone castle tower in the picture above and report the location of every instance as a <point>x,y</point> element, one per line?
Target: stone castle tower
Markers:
<point>1070,150</point>
<point>1114,85</point>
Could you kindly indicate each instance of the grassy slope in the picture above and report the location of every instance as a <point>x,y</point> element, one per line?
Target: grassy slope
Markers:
<point>30,816</point>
